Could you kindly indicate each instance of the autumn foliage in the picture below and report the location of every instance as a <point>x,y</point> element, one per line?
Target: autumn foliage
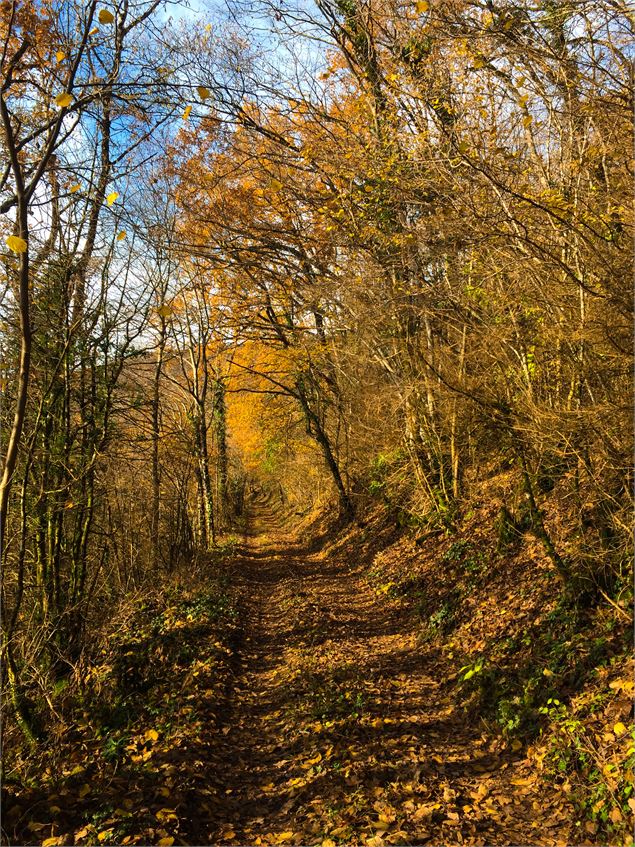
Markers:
<point>366,269</point>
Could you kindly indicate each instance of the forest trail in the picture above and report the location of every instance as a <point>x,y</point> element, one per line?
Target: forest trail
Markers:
<point>341,728</point>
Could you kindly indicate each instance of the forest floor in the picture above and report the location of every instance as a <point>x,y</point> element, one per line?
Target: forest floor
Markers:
<point>319,717</point>
<point>339,727</point>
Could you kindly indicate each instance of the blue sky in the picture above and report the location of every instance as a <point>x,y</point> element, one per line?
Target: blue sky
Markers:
<point>188,10</point>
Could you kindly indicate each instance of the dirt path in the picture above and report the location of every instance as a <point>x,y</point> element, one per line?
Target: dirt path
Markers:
<point>341,728</point>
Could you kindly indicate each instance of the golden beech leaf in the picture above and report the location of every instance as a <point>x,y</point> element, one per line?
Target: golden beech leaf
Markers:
<point>94,30</point>
<point>75,187</point>
<point>120,237</point>
<point>275,185</point>
<point>152,735</point>
<point>64,100</point>
<point>626,685</point>
<point>619,729</point>
<point>164,311</point>
<point>60,56</point>
<point>16,244</point>
<point>166,842</point>
<point>422,6</point>
<point>203,92</point>
<point>105,17</point>
<point>110,199</point>
<point>186,112</point>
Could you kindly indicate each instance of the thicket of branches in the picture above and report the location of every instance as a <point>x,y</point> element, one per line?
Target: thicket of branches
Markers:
<point>387,249</point>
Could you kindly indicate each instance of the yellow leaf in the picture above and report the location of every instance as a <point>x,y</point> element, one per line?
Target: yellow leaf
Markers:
<point>622,685</point>
<point>328,842</point>
<point>203,92</point>
<point>164,311</point>
<point>60,56</point>
<point>186,113</point>
<point>102,836</point>
<point>51,842</point>
<point>16,244</point>
<point>527,120</point>
<point>94,30</point>
<point>283,837</point>
<point>479,62</point>
<point>547,672</point>
<point>516,745</point>
<point>121,235</point>
<point>166,842</point>
<point>75,187</point>
<point>275,185</point>
<point>84,790</point>
<point>166,815</point>
<point>619,729</point>
<point>422,6</point>
<point>63,100</point>
<point>151,734</point>
<point>110,199</point>
<point>105,17</point>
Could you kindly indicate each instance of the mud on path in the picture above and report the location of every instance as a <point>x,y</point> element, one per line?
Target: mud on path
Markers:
<point>340,727</point>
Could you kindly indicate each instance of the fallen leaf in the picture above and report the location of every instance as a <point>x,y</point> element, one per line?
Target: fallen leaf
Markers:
<point>616,816</point>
